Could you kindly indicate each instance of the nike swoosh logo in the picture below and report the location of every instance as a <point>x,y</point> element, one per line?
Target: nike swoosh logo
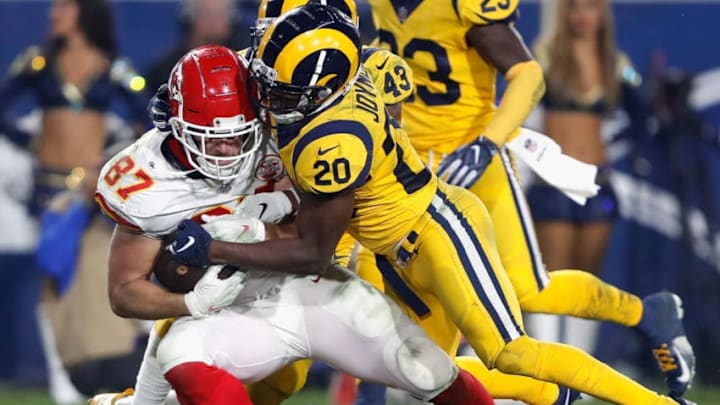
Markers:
<point>684,377</point>
<point>263,209</point>
<point>190,242</point>
<point>382,65</point>
<point>322,152</point>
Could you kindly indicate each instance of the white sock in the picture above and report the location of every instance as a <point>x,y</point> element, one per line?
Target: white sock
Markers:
<point>151,387</point>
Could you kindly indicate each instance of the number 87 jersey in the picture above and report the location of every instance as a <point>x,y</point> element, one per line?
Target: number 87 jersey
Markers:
<point>455,88</point>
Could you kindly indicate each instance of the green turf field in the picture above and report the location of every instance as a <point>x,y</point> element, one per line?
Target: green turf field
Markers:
<point>14,396</point>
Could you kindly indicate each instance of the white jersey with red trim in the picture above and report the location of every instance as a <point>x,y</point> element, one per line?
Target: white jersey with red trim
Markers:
<point>144,186</point>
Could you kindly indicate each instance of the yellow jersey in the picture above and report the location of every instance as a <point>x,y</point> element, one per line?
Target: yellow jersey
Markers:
<point>356,144</point>
<point>392,76</point>
<point>454,98</point>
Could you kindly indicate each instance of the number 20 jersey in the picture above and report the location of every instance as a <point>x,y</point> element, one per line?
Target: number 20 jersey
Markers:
<point>354,144</point>
<point>455,88</point>
<point>148,187</point>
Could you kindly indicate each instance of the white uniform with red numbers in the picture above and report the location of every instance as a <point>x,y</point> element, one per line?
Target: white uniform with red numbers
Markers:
<point>277,318</point>
<point>139,187</point>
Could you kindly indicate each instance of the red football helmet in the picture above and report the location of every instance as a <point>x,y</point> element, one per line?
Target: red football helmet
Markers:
<point>209,100</point>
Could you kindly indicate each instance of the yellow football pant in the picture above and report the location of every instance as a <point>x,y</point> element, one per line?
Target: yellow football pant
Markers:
<point>567,292</point>
<point>447,275</point>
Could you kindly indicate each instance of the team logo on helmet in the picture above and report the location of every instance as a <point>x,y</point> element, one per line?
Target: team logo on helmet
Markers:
<point>306,59</point>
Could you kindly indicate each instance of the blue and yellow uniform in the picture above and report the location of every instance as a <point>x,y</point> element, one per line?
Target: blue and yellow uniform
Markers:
<point>435,237</point>
<point>393,80</point>
<point>390,73</point>
<point>425,228</point>
<point>454,103</point>
<point>433,242</point>
<point>455,88</point>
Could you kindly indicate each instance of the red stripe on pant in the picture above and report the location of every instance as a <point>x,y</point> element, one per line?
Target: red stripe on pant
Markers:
<point>465,390</point>
<point>197,383</point>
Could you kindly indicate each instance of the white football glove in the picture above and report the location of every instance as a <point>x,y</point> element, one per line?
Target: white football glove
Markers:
<point>211,294</point>
<point>270,207</point>
<point>233,228</point>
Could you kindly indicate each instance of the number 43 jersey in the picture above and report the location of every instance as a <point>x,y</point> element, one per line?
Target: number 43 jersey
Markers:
<point>354,144</point>
<point>148,186</point>
<point>455,88</point>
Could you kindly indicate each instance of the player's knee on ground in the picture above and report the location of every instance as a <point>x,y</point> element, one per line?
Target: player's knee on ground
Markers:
<point>280,385</point>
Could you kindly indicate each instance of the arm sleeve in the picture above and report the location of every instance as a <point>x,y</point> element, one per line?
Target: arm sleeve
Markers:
<point>526,86</point>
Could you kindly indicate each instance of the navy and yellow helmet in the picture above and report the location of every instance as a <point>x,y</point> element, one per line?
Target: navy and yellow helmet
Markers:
<point>269,10</point>
<point>306,59</point>
<point>276,8</point>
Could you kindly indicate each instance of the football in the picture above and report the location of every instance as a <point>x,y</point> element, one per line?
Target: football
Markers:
<point>176,277</point>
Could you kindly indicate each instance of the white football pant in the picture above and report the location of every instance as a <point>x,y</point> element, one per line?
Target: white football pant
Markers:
<point>338,319</point>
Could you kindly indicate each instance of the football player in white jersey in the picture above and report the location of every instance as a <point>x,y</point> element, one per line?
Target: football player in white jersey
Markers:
<point>215,163</point>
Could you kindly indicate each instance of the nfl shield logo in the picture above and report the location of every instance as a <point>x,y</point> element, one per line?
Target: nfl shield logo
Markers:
<point>530,145</point>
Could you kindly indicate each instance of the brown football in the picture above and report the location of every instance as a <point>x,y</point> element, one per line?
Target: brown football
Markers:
<point>176,277</point>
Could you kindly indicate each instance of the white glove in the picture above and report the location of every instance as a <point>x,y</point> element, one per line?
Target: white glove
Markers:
<point>233,228</point>
<point>270,207</point>
<point>211,294</point>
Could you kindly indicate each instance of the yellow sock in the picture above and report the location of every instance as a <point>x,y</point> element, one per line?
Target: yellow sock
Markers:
<point>508,386</point>
<point>571,367</point>
<point>581,294</point>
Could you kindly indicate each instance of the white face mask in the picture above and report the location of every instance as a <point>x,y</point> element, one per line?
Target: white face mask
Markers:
<point>194,140</point>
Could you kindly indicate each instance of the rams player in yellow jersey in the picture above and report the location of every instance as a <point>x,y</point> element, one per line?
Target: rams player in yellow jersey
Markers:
<point>389,73</point>
<point>455,49</point>
<point>355,168</point>
<point>393,77</point>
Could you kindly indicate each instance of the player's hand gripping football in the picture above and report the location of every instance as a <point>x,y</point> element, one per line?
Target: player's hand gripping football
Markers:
<point>464,166</point>
<point>191,245</point>
<point>211,293</point>
<point>159,109</point>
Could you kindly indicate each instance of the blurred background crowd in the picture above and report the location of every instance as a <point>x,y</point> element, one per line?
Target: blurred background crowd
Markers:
<point>78,76</point>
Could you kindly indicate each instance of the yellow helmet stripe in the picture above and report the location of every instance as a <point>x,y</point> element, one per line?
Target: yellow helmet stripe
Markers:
<point>264,41</point>
<point>310,42</point>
